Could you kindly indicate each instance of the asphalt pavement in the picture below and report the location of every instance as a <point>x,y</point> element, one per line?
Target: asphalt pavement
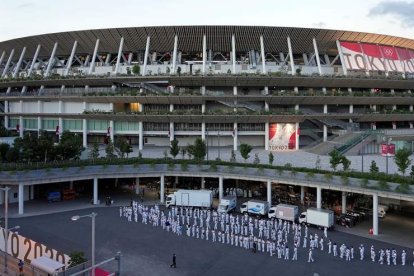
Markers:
<point>148,250</point>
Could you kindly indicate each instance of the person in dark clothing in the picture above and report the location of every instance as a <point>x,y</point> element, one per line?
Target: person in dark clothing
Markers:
<point>174,263</point>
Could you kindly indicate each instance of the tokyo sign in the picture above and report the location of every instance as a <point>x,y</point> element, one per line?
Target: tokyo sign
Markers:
<point>282,137</point>
<point>372,57</point>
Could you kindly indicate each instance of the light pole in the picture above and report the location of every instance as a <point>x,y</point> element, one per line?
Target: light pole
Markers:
<point>6,224</point>
<point>92,216</point>
<point>387,154</point>
<point>362,155</point>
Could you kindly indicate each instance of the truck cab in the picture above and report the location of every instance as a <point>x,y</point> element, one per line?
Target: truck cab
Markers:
<point>170,200</point>
<point>302,217</point>
<point>272,212</point>
<point>243,208</point>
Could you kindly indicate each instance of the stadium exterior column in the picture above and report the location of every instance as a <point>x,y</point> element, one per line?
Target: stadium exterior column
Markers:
<point>21,199</point>
<point>29,73</point>
<point>130,56</point>
<point>324,90</point>
<point>70,60</point>
<point>297,136</point>
<point>141,136</point>
<point>60,123</point>
<point>2,57</point>
<point>375,214</point>
<point>118,58</point>
<point>171,131</point>
<point>19,63</point>
<point>269,192</point>
<point>51,59</point>
<point>39,119</point>
<point>233,53</point>
<point>146,56</point>
<point>203,183</point>
<point>318,197</point>
<point>174,61</point>
<point>203,131</point>
<point>95,52</point>
<point>341,57</point>
<point>6,110</point>
<point>305,59</point>
<point>235,137</point>
<point>343,202</point>
<point>108,59</point>
<point>112,131</point>
<point>204,54</point>
<point>266,136</point>
<point>84,133</point>
<point>325,128</point>
<point>318,61</point>
<point>302,194</point>
<point>95,191</point>
<point>31,195</point>
<point>292,63</point>
<point>21,125</point>
<point>6,67</point>
<point>220,187</point>
<point>262,50</point>
<point>351,111</point>
<point>162,183</point>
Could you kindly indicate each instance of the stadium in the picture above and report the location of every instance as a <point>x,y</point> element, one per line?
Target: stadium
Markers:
<point>276,88</point>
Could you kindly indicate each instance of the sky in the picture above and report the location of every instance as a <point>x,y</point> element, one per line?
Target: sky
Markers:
<point>21,18</point>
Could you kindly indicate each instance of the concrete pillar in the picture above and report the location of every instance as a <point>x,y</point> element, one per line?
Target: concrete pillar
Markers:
<point>19,63</point>
<point>95,52</point>
<point>394,125</point>
<point>292,63</point>
<point>141,136</point>
<point>269,192</point>
<point>203,183</point>
<point>6,110</point>
<point>95,191</point>
<point>325,133</point>
<point>175,181</point>
<point>21,199</point>
<point>341,56</point>
<point>318,61</point>
<point>266,136</point>
<point>50,63</point>
<point>318,197</point>
<point>31,196</point>
<point>71,185</point>
<point>235,137</point>
<point>70,60</point>
<point>84,133</point>
<point>204,54</point>
<point>220,187</point>
<point>203,131</point>
<point>351,111</point>
<point>144,69</point>
<point>137,186</point>
<point>343,202</point>
<point>262,52</point>
<point>375,214</point>
<point>118,59</point>
<point>411,125</point>
<point>21,130</point>
<point>174,57</point>
<point>233,53</point>
<point>162,186</point>
<point>171,132</point>
<point>112,131</point>
<point>302,194</point>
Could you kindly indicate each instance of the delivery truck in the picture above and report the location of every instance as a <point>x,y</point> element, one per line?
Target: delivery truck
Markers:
<point>255,207</point>
<point>318,217</point>
<point>285,212</point>
<point>227,204</point>
<point>191,198</point>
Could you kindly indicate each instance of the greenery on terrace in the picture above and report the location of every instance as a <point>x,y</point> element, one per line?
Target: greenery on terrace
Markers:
<point>31,153</point>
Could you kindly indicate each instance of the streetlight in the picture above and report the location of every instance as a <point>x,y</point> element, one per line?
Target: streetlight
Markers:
<point>362,155</point>
<point>6,224</point>
<point>92,216</point>
<point>387,153</point>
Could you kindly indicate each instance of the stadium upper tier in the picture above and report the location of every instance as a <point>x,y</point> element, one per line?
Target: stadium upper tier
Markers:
<point>203,50</point>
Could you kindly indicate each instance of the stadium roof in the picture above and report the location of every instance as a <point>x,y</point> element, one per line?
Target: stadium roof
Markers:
<point>190,39</point>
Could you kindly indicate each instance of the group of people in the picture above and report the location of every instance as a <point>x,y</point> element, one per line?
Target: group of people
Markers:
<point>271,236</point>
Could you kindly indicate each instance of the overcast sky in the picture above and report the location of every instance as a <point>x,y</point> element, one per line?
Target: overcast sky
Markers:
<point>31,17</point>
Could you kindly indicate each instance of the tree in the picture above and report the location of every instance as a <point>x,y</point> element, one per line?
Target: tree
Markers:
<point>271,158</point>
<point>412,171</point>
<point>4,132</point>
<point>70,146</point>
<point>335,160</point>
<point>94,153</point>
<point>46,150</point>
<point>256,159</point>
<point>373,168</point>
<point>346,163</point>
<point>136,69</point>
<point>110,150</point>
<point>174,149</point>
<point>245,149</point>
<point>198,150</point>
<point>402,159</point>
<point>123,147</point>
<point>3,150</point>
<point>76,258</point>
<point>12,155</point>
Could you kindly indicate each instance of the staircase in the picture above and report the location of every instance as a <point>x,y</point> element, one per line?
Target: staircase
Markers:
<point>326,147</point>
<point>247,105</point>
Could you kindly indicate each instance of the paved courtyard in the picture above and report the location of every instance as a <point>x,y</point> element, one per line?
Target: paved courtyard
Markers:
<point>148,250</point>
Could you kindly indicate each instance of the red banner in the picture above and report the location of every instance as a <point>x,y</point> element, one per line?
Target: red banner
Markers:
<point>387,149</point>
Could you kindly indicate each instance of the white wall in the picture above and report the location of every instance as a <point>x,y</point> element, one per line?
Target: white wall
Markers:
<point>72,107</point>
<point>30,107</point>
<point>50,107</point>
<point>14,190</point>
<point>15,107</point>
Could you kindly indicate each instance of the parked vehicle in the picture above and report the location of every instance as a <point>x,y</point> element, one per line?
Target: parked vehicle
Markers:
<point>227,204</point>
<point>382,211</point>
<point>318,217</point>
<point>284,211</point>
<point>54,196</point>
<point>255,207</point>
<point>191,198</point>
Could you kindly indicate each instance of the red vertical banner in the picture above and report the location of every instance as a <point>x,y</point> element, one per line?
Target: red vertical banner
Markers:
<point>282,136</point>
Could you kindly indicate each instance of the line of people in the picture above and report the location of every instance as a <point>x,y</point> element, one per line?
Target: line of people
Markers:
<point>271,236</point>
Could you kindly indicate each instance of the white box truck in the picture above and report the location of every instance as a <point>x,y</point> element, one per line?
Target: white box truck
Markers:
<point>284,211</point>
<point>191,198</point>
<point>318,217</point>
<point>255,207</point>
<point>227,204</point>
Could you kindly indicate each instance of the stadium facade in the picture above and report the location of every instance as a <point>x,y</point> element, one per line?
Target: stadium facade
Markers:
<point>278,88</point>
